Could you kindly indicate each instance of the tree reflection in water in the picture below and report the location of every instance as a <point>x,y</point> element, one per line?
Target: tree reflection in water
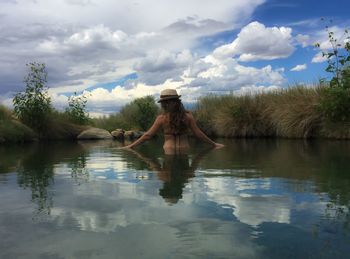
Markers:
<point>175,171</point>
<point>79,172</point>
<point>35,170</point>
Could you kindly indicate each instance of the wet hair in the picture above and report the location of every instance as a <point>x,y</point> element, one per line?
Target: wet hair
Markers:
<point>176,114</point>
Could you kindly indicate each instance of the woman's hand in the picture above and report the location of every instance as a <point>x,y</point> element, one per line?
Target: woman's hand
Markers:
<point>126,147</point>
<point>218,145</point>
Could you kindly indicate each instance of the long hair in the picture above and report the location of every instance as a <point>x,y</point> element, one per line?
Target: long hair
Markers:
<point>176,115</point>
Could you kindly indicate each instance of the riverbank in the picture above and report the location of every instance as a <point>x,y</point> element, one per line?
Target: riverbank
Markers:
<point>294,112</point>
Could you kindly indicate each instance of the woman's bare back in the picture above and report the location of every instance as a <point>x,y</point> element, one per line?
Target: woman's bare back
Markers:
<point>174,142</point>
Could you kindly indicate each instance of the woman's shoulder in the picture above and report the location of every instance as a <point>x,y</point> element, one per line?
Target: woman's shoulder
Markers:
<point>161,118</point>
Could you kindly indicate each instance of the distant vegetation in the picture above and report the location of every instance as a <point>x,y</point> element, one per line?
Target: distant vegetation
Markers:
<point>138,114</point>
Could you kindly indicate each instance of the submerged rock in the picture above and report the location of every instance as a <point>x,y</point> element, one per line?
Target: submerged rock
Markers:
<point>94,133</point>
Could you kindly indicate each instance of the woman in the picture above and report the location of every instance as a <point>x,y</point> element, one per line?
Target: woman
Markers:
<point>175,122</point>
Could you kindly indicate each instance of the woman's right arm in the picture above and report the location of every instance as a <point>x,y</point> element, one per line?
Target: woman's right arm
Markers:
<point>149,134</point>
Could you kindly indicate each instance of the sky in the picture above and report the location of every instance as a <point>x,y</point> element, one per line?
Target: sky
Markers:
<point>114,51</point>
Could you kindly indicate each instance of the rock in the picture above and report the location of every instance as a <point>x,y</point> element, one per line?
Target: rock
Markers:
<point>129,134</point>
<point>94,133</point>
<point>118,134</point>
<point>133,134</point>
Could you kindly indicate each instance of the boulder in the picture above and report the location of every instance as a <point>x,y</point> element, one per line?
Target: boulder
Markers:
<point>129,134</point>
<point>133,134</point>
<point>118,134</point>
<point>94,133</point>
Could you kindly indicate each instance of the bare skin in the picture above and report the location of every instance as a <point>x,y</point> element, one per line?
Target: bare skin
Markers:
<point>174,143</point>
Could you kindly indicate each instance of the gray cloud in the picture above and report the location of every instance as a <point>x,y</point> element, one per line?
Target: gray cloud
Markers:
<point>193,25</point>
<point>79,2</point>
<point>156,68</point>
<point>10,1</point>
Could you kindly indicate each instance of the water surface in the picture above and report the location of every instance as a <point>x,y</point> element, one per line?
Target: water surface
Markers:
<point>251,199</point>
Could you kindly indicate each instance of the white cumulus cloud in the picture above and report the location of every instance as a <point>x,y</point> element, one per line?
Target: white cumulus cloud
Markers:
<point>298,68</point>
<point>228,75</point>
<point>257,42</point>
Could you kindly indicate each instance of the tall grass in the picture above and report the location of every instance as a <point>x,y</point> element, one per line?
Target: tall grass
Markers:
<point>5,113</point>
<point>294,112</point>
<point>244,116</point>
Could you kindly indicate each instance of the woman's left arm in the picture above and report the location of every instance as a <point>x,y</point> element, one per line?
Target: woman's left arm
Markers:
<point>199,133</point>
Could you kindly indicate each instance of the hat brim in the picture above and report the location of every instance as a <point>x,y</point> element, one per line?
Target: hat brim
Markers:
<point>162,99</point>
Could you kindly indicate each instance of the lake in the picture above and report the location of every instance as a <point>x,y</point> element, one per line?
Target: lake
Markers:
<point>258,198</point>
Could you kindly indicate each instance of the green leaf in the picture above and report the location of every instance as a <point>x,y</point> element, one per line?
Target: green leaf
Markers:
<point>330,68</point>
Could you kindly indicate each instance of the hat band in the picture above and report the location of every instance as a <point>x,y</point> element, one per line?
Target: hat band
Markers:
<point>167,96</point>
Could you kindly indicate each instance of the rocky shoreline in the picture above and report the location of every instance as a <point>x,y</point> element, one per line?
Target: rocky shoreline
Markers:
<point>117,134</point>
<point>13,131</point>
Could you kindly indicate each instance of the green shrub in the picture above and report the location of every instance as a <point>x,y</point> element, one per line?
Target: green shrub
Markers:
<point>138,114</point>
<point>335,99</point>
<point>335,104</point>
<point>141,112</point>
<point>338,58</point>
<point>33,107</point>
<point>76,110</point>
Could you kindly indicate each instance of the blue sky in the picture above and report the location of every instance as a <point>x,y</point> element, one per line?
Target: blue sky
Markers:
<point>115,51</point>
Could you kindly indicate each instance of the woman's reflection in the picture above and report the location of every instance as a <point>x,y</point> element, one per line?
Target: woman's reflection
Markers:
<point>175,171</point>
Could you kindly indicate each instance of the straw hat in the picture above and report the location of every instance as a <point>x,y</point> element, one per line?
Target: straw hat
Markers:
<point>168,94</point>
